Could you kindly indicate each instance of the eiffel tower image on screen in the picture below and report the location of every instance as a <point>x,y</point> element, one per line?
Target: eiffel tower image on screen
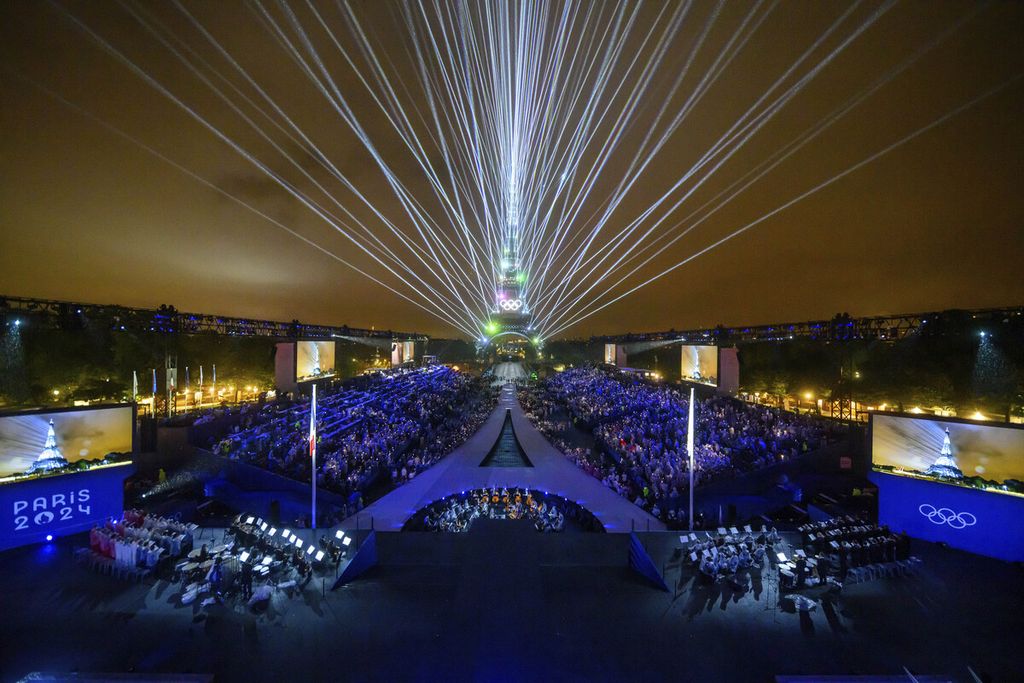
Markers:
<point>50,458</point>
<point>945,465</point>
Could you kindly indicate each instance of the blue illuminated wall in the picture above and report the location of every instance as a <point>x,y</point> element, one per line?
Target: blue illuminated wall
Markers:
<point>60,505</point>
<point>977,521</point>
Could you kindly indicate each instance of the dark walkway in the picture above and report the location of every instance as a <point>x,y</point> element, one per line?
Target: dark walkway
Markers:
<point>513,605</point>
<point>507,452</point>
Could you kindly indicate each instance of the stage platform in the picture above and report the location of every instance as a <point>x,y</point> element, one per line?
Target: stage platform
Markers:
<point>551,472</point>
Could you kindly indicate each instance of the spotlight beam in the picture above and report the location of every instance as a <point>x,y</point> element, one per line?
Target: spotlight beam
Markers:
<point>288,187</point>
<point>85,113</point>
<point>857,166</point>
<point>793,146</point>
<point>746,130</point>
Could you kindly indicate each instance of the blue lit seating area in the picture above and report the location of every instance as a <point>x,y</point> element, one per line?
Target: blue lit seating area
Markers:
<point>363,434</point>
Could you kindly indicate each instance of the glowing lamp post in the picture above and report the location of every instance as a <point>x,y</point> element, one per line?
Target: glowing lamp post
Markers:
<point>312,450</point>
<point>689,451</point>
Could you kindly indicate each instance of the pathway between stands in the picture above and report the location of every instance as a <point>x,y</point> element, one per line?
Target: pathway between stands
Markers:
<point>552,472</point>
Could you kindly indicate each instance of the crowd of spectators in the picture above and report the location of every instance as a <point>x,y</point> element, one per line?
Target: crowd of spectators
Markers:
<point>395,426</point>
<point>642,428</point>
<point>593,462</point>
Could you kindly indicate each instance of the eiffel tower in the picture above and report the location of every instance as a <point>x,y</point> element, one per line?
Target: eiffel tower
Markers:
<point>50,458</point>
<point>945,465</point>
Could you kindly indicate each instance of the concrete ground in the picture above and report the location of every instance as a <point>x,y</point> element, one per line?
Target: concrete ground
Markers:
<point>509,604</point>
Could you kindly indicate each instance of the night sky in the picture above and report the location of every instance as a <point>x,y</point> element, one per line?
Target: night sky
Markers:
<point>936,223</point>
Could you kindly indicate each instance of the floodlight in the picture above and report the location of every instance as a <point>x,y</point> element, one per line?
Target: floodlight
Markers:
<point>319,555</point>
<point>781,556</point>
<point>298,542</point>
<point>250,520</point>
<point>347,541</point>
<point>273,530</point>
<point>244,557</point>
<point>311,549</point>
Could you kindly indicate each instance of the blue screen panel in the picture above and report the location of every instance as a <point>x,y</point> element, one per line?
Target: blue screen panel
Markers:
<point>59,505</point>
<point>969,519</point>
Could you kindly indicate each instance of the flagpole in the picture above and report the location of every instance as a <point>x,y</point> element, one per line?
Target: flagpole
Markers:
<point>312,449</point>
<point>689,449</point>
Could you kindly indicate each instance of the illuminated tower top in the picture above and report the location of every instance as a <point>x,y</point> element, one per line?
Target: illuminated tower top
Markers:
<point>50,458</point>
<point>511,312</point>
<point>945,465</point>
<point>315,350</point>
<point>947,446</point>
<point>511,309</point>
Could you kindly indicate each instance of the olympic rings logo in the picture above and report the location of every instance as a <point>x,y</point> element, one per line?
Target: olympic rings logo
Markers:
<point>940,516</point>
<point>510,304</point>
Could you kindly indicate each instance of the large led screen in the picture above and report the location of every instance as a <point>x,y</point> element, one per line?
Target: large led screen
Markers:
<point>972,455</point>
<point>314,360</point>
<point>51,442</point>
<point>699,364</point>
<point>609,354</point>
<point>408,351</point>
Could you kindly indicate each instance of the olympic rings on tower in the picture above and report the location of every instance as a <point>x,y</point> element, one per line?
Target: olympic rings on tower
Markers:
<point>511,304</point>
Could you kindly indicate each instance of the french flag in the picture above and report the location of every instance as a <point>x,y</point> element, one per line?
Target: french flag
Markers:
<point>312,425</point>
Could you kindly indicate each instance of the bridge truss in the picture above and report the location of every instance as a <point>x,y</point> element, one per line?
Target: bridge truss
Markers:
<point>840,328</point>
<point>168,320</point>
